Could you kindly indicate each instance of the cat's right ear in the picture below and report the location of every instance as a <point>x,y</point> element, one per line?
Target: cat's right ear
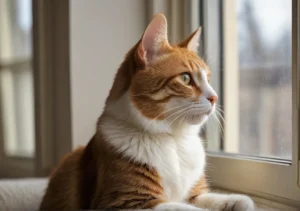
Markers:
<point>154,41</point>
<point>192,42</point>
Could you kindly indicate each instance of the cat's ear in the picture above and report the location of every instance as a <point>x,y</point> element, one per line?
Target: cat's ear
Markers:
<point>192,42</point>
<point>154,41</point>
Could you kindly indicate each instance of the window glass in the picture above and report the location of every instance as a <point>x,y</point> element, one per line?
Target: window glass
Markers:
<point>258,108</point>
<point>265,94</point>
<point>16,78</point>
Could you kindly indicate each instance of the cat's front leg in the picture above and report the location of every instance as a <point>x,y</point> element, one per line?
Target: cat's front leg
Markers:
<point>225,202</point>
<point>177,206</point>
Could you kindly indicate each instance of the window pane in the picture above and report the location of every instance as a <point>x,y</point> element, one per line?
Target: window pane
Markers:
<point>264,68</point>
<point>16,78</point>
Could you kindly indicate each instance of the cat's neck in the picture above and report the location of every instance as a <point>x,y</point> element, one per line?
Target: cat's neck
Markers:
<point>142,145</point>
<point>122,115</point>
<point>122,126</point>
<point>140,138</point>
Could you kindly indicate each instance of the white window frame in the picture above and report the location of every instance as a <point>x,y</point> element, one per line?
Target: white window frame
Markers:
<point>272,179</point>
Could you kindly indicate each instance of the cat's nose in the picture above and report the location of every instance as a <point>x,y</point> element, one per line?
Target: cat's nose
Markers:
<point>212,99</point>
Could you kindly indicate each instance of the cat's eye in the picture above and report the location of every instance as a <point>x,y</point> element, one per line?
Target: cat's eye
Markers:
<point>186,78</point>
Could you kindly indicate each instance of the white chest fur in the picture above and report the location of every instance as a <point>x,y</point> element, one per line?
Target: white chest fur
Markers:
<point>179,160</point>
<point>180,165</point>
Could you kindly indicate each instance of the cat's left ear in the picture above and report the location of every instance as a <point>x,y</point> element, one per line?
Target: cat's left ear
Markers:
<point>192,42</point>
<point>154,41</point>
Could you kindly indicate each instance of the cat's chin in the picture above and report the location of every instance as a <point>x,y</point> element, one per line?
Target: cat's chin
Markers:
<point>197,119</point>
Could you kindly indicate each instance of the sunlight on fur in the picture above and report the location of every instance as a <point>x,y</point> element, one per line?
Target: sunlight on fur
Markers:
<point>146,152</point>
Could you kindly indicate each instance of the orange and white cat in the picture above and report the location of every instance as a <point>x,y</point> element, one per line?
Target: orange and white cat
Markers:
<point>146,152</point>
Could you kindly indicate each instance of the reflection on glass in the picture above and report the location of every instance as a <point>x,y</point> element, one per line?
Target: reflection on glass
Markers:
<point>16,78</point>
<point>264,32</point>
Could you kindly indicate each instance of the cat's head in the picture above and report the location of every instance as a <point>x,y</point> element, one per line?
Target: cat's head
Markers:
<point>163,82</point>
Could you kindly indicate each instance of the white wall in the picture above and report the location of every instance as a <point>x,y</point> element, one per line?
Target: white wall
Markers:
<point>102,31</point>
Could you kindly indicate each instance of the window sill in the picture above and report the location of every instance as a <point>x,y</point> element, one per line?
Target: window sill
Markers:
<point>12,167</point>
<point>264,204</point>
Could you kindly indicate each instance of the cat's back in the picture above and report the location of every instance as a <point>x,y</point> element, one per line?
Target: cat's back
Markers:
<point>65,190</point>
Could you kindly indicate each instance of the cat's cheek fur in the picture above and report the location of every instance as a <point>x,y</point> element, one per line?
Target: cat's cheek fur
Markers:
<point>226,202</point>
<point>196,117</point>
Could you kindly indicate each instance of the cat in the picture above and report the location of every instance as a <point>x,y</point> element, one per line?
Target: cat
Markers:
<point>146,152</point>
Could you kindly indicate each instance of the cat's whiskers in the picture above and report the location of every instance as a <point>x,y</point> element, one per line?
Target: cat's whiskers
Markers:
<point>219,109</point>
<point>185,111</point>
<point>220,115</point>
<point>172,114</point>
<point>189,106</point>
<point>219,123</point>
<point>155,118</point>
<point>181,112</point>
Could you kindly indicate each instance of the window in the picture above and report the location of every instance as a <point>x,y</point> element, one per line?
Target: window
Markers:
<point>17,142</point>
<point>16,78</point>
<point>252,49</point>
<point>34,86</point>
<point>265,78</point>
<point>262,63</point>
<point>258,93</point>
